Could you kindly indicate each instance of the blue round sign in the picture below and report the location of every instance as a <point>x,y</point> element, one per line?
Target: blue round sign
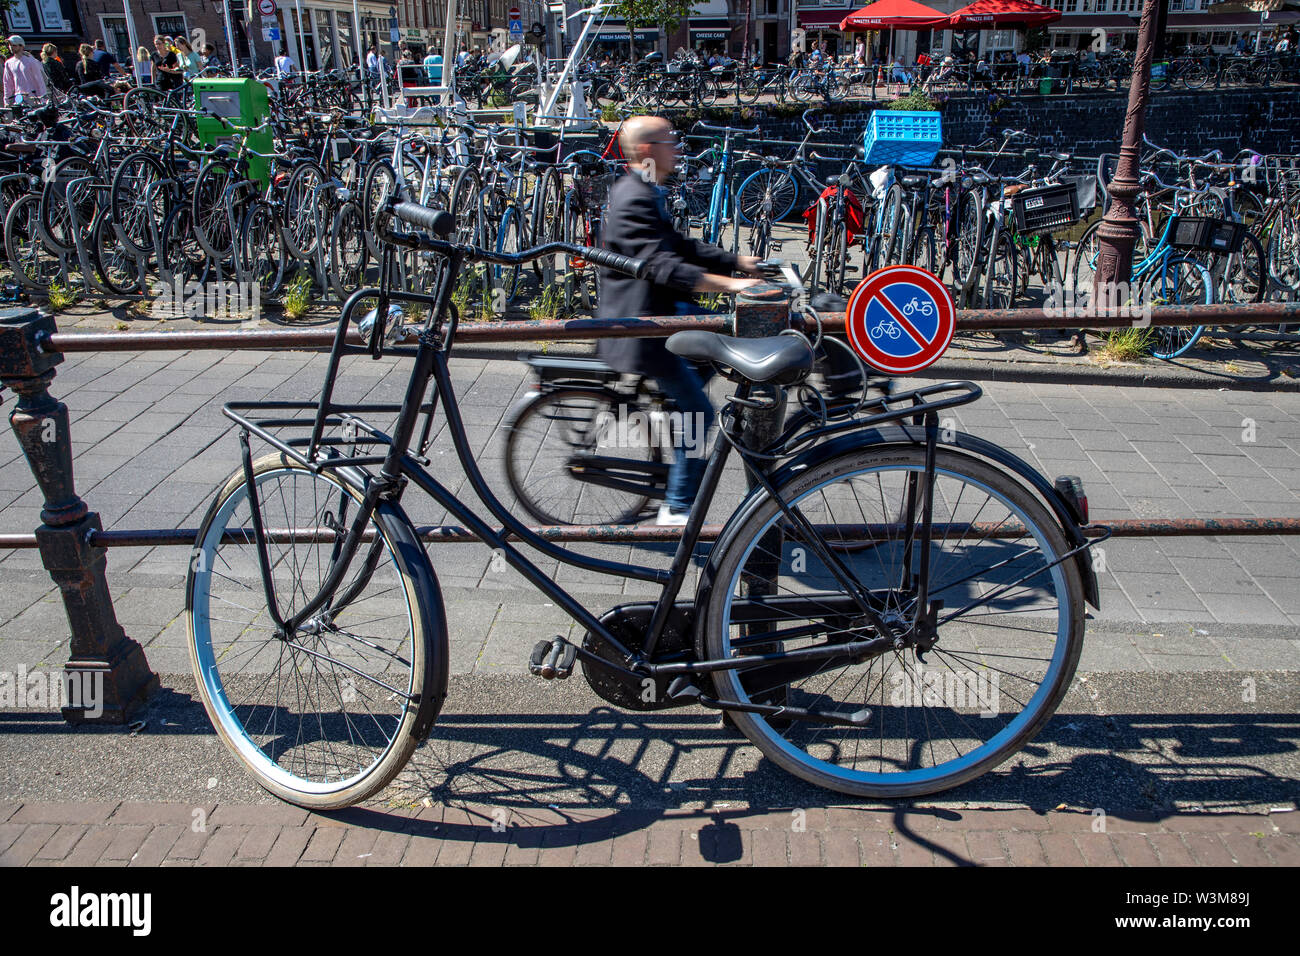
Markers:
<point>900,319</point>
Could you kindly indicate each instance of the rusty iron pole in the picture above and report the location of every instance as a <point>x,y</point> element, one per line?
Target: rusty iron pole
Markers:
<point>1119,229</point>
<point>106,676</point>
<point>968,320</point>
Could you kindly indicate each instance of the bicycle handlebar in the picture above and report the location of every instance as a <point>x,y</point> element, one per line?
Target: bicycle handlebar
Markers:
<point>727,129</point>
<point>441,223</point>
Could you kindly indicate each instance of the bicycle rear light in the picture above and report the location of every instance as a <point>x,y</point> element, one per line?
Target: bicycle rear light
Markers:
<point>1070,487</point>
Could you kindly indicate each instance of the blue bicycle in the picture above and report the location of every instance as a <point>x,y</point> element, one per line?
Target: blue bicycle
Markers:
<point>1163,272</point>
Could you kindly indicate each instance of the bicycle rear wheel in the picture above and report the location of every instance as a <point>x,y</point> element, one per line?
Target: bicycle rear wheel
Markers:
<point>1009,631</point>
<point>552,444</point>
<point>327,716</point>
<point>1180,280</point>
<point>773,190</point>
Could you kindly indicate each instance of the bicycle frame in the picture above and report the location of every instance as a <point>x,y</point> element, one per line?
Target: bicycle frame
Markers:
<point>399,465</point>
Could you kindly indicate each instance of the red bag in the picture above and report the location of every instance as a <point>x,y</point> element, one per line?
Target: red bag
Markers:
<point>853,218</point>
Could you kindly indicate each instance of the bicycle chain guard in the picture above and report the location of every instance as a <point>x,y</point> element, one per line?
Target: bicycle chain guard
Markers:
<point>629,623</point>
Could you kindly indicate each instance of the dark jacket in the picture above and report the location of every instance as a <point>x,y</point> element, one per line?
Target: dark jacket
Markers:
<point>637,224</point>
<point>57,74</point>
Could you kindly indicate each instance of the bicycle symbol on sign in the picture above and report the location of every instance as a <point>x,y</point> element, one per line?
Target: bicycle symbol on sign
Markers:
<point>916,305</point>
<point>886,329</point>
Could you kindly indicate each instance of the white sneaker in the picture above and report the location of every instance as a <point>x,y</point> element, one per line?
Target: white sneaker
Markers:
<point>671,519</point>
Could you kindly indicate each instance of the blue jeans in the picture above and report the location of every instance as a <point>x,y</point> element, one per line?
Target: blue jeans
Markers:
<point>684,384</point>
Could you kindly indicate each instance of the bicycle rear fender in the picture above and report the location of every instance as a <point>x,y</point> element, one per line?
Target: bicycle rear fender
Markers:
<point>897,435</point>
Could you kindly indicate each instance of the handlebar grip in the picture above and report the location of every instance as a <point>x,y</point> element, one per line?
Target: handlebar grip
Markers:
<point>617,262</point>
<point>437,221</point>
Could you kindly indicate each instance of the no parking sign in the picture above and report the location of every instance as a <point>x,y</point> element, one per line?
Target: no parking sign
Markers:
<point>900,319</point>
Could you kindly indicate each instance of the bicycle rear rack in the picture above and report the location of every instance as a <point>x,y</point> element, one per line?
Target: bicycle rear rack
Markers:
<point>922,401</point>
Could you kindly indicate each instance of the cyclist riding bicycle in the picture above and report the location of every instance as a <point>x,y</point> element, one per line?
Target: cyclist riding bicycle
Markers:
<point>638,224</point>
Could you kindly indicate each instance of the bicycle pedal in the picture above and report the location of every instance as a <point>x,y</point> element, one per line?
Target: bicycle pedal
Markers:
<point>552,659</point>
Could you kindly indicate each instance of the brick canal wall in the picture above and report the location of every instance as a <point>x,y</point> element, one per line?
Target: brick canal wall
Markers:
<point>1088,124</point>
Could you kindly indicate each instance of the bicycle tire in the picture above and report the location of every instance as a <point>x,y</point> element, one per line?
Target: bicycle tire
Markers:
<point>970,224</point>
<point>924,254</point>
<point>1180,280</point>
<point>132,181</point>
<point>745,563</point>
<point>1246,275</point>
<point>55,215</point>
<point>114,262</point>
<point>509,239</point>
<point>243,707</point>
<point>262,259</point>
<point>303,230</point>
<point>1000,274</point>
<point>837,261</point>
<point>548,430</point>
<point>762,186</point>
<point>209,216</point>
<point>379,184</point>
<point>349,253</point>
<point>546,211</point>
<point>34,264</point>
<point>181,253</point>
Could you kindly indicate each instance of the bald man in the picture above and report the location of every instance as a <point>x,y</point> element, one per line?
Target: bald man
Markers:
<point>637,224</point>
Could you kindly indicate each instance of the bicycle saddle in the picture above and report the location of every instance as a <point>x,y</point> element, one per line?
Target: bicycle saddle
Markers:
<point>782,359</point>
<point>912,182</point>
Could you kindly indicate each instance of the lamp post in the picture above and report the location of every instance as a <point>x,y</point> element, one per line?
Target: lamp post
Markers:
<point>1119,229</point>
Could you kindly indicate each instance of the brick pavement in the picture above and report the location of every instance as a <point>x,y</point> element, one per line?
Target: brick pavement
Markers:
<point>168,834</point>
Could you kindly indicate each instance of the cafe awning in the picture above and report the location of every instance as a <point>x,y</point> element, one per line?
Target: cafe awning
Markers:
<point>989,13</point>
<point>898,14</point>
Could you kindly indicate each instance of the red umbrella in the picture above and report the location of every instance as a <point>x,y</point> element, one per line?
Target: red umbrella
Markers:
<point>894,13</point>
<point>994,12</point>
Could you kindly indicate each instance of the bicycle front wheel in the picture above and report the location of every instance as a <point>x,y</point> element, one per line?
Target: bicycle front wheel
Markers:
<point>326,716</point>
<point>1008,618</point>
<point>579,456</point>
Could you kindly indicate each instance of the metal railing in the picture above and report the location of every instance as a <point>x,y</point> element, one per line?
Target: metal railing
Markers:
<point>73,543</point>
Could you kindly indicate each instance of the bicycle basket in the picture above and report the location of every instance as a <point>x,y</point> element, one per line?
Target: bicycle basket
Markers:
<point>1046,208</point>
<point>593,187</point>
<point>1202,234</point>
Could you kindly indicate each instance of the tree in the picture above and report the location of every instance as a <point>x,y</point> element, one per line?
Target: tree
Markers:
<point>650,13</point>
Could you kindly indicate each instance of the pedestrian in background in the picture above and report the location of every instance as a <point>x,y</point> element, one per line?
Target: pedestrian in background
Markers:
<point>55,72</point>
<point>85,69</point>
<point>144,65</point>
<point>187,58</point>
<point>24,77</point>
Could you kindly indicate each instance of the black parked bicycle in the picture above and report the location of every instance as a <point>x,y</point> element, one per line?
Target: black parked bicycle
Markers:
<point>319,639</point>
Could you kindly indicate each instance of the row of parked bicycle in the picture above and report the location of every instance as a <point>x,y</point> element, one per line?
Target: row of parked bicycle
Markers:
<point>1006,226</point>
<point>653,84</point>
<point>115,201</point>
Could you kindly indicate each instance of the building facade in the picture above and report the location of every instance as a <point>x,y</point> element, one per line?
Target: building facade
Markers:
<point>317,34</point>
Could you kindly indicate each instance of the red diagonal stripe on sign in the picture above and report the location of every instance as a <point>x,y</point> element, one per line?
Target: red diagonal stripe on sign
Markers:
<point>908,327</point>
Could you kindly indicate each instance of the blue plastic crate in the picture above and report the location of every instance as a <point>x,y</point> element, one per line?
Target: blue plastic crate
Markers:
<point>903,137</point>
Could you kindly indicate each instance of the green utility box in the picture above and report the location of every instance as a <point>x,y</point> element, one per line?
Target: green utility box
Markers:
<point>241,102</point>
